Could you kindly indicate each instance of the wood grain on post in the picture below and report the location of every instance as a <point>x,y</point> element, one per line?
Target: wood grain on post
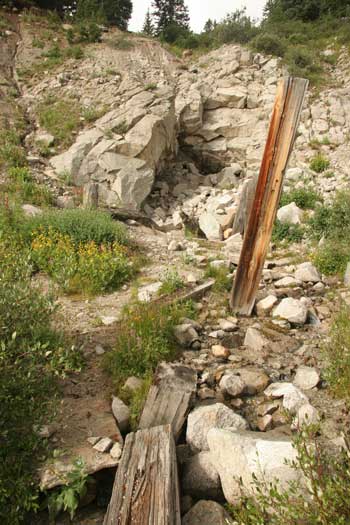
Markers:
<point>146,490</point>
<point>283,128</point>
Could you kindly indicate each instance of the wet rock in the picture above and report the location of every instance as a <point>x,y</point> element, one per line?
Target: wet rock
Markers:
<point>242,456</point>
<point>291,310</point>
<point>121,413</point>
<point>306,378</point>
<point>200,478</point>
<point>202,419</point>
<point>207,513</point>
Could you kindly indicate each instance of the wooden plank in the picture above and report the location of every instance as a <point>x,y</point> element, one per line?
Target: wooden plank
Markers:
<point>245,205</point>
<point>170,397</point>
<point>283,127</point>
<point>145,490</point>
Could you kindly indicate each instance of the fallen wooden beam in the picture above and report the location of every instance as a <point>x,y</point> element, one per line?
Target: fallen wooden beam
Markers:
<point>170,397</point>
<point>283,128</point>
<point>146,490</point>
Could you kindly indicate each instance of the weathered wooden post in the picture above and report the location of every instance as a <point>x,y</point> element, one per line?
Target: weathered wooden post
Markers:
<point>283,128</point>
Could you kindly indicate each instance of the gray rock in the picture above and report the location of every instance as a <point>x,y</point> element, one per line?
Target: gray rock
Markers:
<point>210,226</point>
<point>255,340</point>
<point>200,478</point>
<point>207,513</point>
<point>265,306</point>
<point>307,273</point>
<point>133,383</point>
<point>242,456</point>
<point>146,293</point>
<point>291,310</point>
<point>185,335</point>
<point>306,378</point>
<point>254,379</point>
<point>290,214</point>
<point>45,138</point>
<point>65,202</point>
<point>203,418</point>
<point>31,211</point>
<point>232,385</point>
<point>121,413</point>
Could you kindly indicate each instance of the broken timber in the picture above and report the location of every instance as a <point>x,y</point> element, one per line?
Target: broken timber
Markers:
<point>283,127</point>
<point>170,397</point>
<point>146,489</point>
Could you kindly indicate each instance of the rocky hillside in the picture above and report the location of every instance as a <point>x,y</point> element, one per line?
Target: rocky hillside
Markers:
<point>171,145</point>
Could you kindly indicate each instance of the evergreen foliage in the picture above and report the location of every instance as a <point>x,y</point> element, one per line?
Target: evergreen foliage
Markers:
<point>169,13</point>
<point>148,28</point>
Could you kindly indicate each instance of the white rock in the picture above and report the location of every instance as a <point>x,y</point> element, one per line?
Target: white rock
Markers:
<point>241,456</point>
<point>203,418</point>
<point>116,451</point>
<point>290,214</point>
<point>291,310</point>
<point>265,306</point>
<point>31,211</point>
<point>255,340</point>
<point>306,415</point>
<point>293,398</point>
<point>287,282</point>
<point>227,326</point>
<point>232,384</point>
<point>307,273</point>
<point>210,226</point>
<point>108,320</point>
<point>306,378</point>
<point>104,445</point>
<point>146,293</point>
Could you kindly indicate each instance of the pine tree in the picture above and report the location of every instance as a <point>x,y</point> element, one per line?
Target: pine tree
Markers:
<point>208,26</point>
<point>170,12</point>
<point>117,12</point>
<point>148,27</point>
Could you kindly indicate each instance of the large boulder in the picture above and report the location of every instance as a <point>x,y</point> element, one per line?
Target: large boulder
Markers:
<point>203,418</point>
<point>241,457</point>
<point>290,214</point>
<point>291,310</point>
<point>200,477</point>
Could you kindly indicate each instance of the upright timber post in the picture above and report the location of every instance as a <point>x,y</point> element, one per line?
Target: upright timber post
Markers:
<point>283,128</point>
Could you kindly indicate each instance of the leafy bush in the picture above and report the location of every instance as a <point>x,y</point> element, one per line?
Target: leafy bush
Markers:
<point>270,44</point>
<point>337,354</point>
<point>287,232</point>
<point>332,220</point>
<point>304,198</point>
<point>87,268</point>
<point>89,31</point>
<point>144,339</point>
<point>303,62</point>
<point>31,354</point>
<point>332,256</point>
<point>80,225</point>
<point>322,499</point>
<point>319,163</point>
<point>171,283</point>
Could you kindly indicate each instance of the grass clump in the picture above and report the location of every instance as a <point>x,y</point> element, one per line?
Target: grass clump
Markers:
<point>88,268</point>
<point>31,356</point>
<point>223,281</point>
<point>304,198</point>
<point>171,283</point>
<point>332,257</point>
<point>80,225</point>
<point>60,117</point>
<point>23,189</point>
<point>12,153</point>
<point>135,399</point>
<point>145,339</point>
<point>322,499</point>
<point>337,354</point>
<point>122,43</point>
<point>319,164</point>
<point>287,233</point>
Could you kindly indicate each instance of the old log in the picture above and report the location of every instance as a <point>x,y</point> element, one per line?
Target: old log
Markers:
<point>283,128</point>
<point>145,490</point>
<point>170,397</point>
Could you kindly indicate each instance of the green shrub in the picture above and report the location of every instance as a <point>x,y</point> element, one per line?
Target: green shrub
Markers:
<point>144,339</point>
<point>122,43</point>
<point>75,52</point>
<point>136,399</point>
<point>223,281</point>
<point>287,232</point>
<point>88,268</point>
<point>322,499</point>
<point>31,355</point>
<point>303,62</point>
<point>88,31</point>
<point>332,256</point>
<point>269,44</point>
<point>337,354</point>
<point>60,117</point>
<point>23,189</point>
<point>304,198</point>
<point>319,164</point>
<point>172,283</point>
<point>332,220</point>
<point>80,225</point>
<point>12,153</point>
